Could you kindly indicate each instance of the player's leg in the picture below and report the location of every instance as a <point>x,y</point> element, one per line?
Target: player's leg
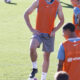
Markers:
<point>45,62</point>
<point>33,46</point>
<point>45,65</point>
<point>33,54</point>
<point>48,47</point>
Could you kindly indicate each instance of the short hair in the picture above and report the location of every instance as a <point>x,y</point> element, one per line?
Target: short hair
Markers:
<point>69,26</point>
<point>61,75</point>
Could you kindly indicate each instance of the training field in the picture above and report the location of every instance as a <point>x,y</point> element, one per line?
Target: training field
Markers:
<point>15,62</point>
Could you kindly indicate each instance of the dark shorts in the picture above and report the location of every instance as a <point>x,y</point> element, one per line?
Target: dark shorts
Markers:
<point>48,42</point>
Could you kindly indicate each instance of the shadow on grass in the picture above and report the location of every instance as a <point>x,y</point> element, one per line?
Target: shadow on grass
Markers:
<point>12,3</point>
<point>67,5</point>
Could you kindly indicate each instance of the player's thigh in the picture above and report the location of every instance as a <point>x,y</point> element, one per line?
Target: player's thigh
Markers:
<point>48,45</point>
<point>34,43</point>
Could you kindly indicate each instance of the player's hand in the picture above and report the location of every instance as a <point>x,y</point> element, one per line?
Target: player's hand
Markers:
<point>52,34</point>
<point>35,31</point>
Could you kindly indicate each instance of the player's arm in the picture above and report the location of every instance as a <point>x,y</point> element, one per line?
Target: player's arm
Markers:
<point>61,18</point>
<point>61,57</point>
<point>60,65</point>
<point>28,12</point>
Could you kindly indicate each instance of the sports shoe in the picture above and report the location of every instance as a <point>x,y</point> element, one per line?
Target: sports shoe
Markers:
<point>34,71</point>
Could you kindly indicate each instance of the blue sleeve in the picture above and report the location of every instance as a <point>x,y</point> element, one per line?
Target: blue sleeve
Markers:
<point>76,11</point>
<point>61,53</point>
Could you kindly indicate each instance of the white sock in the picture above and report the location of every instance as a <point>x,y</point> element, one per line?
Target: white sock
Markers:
<point>34,65</point>
<point>43,76</point>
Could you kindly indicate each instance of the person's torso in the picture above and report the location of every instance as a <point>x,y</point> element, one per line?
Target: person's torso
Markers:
<point>72,59</point>
<point>46,16</point>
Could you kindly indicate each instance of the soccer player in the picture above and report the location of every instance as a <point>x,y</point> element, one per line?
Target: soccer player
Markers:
<point>69,53</point>
<point>44,32</point>
<point>76,20</point>
<point>61,75</point>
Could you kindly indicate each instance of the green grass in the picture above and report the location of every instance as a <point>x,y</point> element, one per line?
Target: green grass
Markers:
<point>15,62</point>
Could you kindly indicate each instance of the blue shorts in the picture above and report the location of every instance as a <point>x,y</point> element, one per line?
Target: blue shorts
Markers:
<point>48,42</point>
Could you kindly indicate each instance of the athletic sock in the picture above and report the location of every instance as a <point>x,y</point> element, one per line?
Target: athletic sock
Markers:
<point>34,64</point>
<point>43,76</point>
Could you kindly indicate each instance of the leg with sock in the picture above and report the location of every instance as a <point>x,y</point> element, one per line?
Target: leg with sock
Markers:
<point>33,55</point>
<point>45,66</point>
<point>34,71</point>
